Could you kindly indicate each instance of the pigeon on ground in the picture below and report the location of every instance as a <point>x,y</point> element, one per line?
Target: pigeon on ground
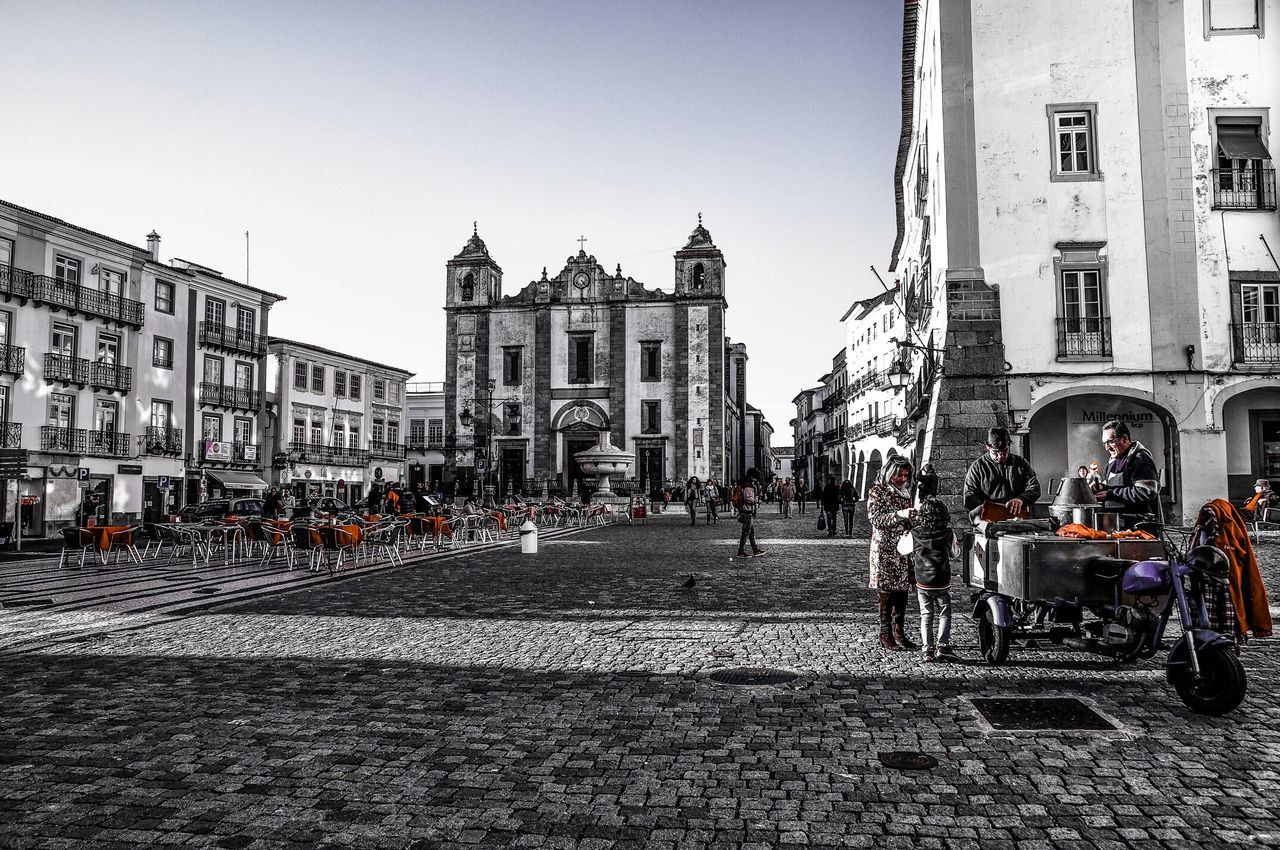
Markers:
<point>688,585</point>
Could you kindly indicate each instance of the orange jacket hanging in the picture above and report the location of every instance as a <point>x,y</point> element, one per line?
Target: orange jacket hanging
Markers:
<point>1248,595</point>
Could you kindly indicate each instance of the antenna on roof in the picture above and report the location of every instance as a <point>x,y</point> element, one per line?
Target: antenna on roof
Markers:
<point>246,258</point>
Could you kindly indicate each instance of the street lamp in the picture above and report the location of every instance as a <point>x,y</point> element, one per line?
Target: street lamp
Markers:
<point>467,418</point>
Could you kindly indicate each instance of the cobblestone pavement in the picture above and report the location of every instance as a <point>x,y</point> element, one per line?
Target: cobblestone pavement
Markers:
<point>562,700</point>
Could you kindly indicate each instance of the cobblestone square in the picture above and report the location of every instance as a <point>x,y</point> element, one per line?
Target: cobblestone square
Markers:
<point>563,700</point>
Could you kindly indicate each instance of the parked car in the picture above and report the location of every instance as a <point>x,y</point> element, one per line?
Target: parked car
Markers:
<point>219,508</point>
<point>325,505</point>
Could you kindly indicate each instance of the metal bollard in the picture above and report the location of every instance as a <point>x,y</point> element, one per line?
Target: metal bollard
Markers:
<point>528,538</point>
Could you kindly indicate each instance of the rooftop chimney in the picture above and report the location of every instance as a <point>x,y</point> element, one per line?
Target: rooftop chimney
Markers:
<point>153,245</point>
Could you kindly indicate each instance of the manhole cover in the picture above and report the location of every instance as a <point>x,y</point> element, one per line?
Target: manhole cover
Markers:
<point>1041,713</point>
<point>752,676</point>
<point>207,590</point>
<point>24,603</point>
<point>908,760</point>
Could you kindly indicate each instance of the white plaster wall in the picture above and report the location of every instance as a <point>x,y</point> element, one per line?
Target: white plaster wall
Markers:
<point>1229,72</point>
<point>699,390</point>
<point>1021,64</point>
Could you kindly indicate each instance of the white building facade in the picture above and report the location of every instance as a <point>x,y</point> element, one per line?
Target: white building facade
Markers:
<point>1089,235</point>
<point>424,444</point>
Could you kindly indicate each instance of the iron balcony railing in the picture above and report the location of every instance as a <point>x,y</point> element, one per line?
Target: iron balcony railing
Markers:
<point>379,448</point>
<point>1244,188</point>
<point>220,395</point>
<point>245,452</point>
<point>76,370</point>
<point>158,440</point>
<point>886,425</point>
<point>419,444</point>
<point>13,359</point>
<point>1255,342</point>
<point>1084,337</point>
<point>107,443</point>
<point>232,338</point>
<point>43,289</point>
<point>10,435</point>
<point>337,455</point>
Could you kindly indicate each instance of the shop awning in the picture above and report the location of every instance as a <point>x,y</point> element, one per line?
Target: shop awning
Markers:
<point>1239,141</point>
<point>237,480</point>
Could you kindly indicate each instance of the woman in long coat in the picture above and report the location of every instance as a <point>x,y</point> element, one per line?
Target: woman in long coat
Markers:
<point>891,572</point>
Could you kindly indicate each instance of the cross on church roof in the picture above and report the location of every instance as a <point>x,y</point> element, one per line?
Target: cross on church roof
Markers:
<point>581,239</point>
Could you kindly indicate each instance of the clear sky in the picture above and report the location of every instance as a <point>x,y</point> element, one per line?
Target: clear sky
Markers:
<point>357,141</point>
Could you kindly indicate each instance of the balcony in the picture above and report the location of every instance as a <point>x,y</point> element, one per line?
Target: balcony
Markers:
<point>885,425</point>
<point>1244,188</point>
<point>335,455</point>
<point>1085,338</point>
<point>422,444</point>
<point>219,335</point>
<point>77,441</point>
<point>13,359</point>
<point>10,435</point>
<point>161,441</point>
<point>1255,342</point>
<point>378,448</point>
<point>234,398</point>
<point>57,294</point>
<point>245,453</point>
<point>61,368</point>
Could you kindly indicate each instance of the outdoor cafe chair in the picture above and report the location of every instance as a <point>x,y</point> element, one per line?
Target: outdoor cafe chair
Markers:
<point>487,529</point>
<point>306,540</point>
<point>122,541</point>
<point>151,537</point>
<point>186,537</point>
<point>255,535</point>
<point>74,540</point>
<point>275,541</point>
<point>385,540</point>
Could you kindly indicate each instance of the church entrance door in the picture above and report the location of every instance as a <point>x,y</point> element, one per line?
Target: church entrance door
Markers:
<point>511,472</point>
<point>650,461</point>
<point>573,472</point>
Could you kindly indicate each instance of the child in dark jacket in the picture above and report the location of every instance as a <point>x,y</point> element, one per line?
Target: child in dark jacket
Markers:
<point>932,544</point>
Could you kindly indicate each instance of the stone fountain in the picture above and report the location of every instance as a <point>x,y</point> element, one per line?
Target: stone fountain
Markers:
<point>602,461</point>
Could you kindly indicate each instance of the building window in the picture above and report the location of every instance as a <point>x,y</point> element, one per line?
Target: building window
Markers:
<point>300,371</point>
<point>375,433</point>
<point>215,312</point>
<point>1072,128</point>
<point>62,410</point>
<point>511,422</point>
<point>469,287</point>
<point>108,349</point>
<point>112,281</point>
<point>512,357</point>
<point>317,432</point>
<point>339,439</point>
<point>66,270</point>
<point>379,390</point>
<point>299,429</point>
<point>243,375</point>
<point>212,370</point>
<point>393,432</point>
<point>581,357</point>
<point>317,378</point>
<point>1084,326</point>
<point>164,297</point>
<point>242,431</point>
<point>1232,17</point>
<point>162,353</point>
<point>1244,178</point>
<point>6,252</point>
<point>161,413</point>
<point>246,322</point>
<point>651,417</point>
<point>339,383</point>
<point>353,437</point>
<point>211,428</point>
<point>1255,309</point>
<point>699,277</point>
<point>393,390</point>
<point>435,431</point>
<point>353,388</point>
<point>651,361</point>
<point>417,431</point>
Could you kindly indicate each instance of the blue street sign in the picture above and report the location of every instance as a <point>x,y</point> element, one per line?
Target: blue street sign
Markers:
<point>162,482</point>
<point>83,473</point>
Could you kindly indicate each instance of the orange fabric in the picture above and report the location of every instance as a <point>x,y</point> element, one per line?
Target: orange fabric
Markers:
<point>1252,504</point>
<point>501,518</point>
<point>1084,532</point>
<point>438,525</point>
<point>1248,595</point>
<point>355,531</point>
<point>102,535</point>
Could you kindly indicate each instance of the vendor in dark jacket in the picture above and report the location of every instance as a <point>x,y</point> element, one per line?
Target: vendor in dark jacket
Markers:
<point>1000,476</point>
<point>1131,482</point>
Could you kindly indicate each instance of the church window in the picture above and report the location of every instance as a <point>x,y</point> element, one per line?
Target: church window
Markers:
<point>581,357</point>
<point>469,287</point>
<point>651,417</point>
<point>651,361</point>
<point>699,276</point>
<point>512,357</point>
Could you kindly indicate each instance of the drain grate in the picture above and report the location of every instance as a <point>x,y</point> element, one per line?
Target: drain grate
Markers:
<point>1041,713</point>
<point>908,760</point>
<point>207,590</point>
<point>746,677</point>
<point>24,603</point>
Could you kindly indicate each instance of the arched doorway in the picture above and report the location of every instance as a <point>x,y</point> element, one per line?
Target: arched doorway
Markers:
<point>1250,419</point>
<point>874,462</point>
<point>860,473</point>
<point>1065,431</point>
<point>577,426</point>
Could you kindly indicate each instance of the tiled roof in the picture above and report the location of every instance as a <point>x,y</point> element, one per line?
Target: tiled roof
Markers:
<point>62,223</point>
<point>279,340</point>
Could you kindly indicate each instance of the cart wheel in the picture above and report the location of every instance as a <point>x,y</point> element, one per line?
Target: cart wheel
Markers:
<point>1221,685</point>
<point>993,641</point>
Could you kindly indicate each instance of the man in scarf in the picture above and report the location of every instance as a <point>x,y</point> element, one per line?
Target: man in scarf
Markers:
<point>1131,483</point>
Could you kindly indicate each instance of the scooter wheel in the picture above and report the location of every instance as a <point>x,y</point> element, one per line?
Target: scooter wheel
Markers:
<point>993,641</point>
<point>1221,685</point>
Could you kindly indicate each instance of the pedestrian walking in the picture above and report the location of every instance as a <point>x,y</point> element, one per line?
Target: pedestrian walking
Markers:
<point>712,497</point>
<point>746,507</point>
<point>848,505</point>
<point>830,503</point>
<point>788,492</point>
<point>691,488</point>
<point>889,512</point>
<point>931,543</point>
<point>802,496</point>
